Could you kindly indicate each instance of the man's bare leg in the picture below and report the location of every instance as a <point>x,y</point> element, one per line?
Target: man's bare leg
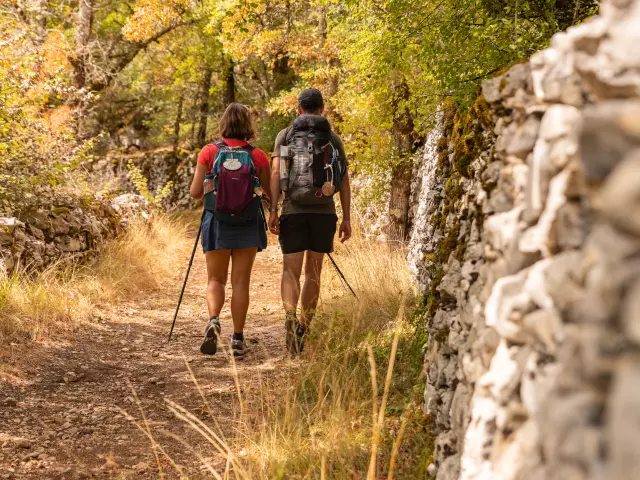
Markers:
<point>290,286</point>
<point>311,288</point>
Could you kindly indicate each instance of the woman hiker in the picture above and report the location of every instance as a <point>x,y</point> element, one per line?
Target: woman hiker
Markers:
<point>225,241</point>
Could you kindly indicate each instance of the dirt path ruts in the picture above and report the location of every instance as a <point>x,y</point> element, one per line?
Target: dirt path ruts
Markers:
<point>61,403</point>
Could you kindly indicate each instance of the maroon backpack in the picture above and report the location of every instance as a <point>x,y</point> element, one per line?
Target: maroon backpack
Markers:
<point>233,198</point>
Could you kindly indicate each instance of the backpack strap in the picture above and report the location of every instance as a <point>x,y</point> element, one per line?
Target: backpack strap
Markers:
<point>287,135</point>
<point>212,159</point>
<point>250,148</point>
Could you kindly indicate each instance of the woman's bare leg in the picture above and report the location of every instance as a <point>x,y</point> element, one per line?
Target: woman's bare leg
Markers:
<point>217,272</point>
<point>241,265</point>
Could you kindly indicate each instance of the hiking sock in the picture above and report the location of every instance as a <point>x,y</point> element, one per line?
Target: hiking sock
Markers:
<point>237,336</point>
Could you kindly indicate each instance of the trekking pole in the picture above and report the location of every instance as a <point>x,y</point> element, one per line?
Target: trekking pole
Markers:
<point>344,280</point>
<point>186,277</point>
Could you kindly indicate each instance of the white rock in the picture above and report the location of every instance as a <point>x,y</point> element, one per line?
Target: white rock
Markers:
<point>631,313</point>
<point>422,239</point>
<point>503,228</point>
<point>538,238</point>
<point>624,417</point>
<point>508,297</point>
<point>503,377</point>
<point>559,121</point>
<point>545,326</point>
<point>537,381</point>
<point>519,454</point>
<point>535,284</point>
<point>620,195</point>
<point>11,223</point>
<point>478,440</point>
<point>520,174</point>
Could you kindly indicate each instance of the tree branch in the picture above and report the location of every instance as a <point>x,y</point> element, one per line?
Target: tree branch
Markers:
<point>126,57</point>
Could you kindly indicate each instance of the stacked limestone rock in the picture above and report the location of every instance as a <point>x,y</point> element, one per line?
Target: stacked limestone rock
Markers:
<point>68,232</point>
<point>546,322</point>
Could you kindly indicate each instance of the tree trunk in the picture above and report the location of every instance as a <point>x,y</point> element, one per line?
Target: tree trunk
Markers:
<point>205,86</point>
<point>176,125</point>
<point>41,18</point>
<point>402,171</point>
<point>83,34</point>
<point>283,75</point>
<point>230,87</point>
<point>192,115</point>
<point>334,64</point>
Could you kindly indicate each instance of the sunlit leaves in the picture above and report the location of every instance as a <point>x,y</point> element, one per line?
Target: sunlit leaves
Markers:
<point>153,16</point>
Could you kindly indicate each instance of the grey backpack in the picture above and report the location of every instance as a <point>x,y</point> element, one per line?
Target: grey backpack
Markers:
<point>316,169</point>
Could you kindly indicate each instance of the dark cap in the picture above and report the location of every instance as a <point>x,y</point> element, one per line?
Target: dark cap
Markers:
<point>310,100</point>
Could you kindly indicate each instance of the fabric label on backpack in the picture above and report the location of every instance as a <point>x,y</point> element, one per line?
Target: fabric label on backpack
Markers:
<point>232,164</point>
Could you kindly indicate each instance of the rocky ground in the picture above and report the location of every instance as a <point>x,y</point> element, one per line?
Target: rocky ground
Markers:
<point>64,404</point>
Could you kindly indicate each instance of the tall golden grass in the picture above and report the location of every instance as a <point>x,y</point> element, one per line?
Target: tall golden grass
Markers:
<point>349,407</point>
<point>63,297</point>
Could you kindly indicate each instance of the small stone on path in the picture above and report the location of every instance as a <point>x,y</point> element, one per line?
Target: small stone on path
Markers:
<point>141,467</point>
<point>22,443</point>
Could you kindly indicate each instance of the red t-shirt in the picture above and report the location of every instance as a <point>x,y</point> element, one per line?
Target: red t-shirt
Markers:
<point>208,154</point>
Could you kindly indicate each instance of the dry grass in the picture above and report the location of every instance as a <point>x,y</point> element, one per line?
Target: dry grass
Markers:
<point>350,407</point>
<point>345,400</point>
<point>61,298</point>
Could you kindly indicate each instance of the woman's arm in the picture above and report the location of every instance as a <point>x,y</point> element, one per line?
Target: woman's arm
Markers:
<point>197,185</point>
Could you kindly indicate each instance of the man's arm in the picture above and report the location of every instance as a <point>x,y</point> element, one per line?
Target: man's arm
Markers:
<point>344,233</point>
<point>345,202</point>
<point>274,222</point>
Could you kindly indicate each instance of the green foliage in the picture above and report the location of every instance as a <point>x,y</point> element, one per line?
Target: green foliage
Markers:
<point>441,335</point>
<point>142,186</point>
<point>35,157</point>
<point>267,130</point>
<point>385,68</point>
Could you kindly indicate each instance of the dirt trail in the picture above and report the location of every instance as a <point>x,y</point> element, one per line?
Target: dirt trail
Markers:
<point>60,403</point>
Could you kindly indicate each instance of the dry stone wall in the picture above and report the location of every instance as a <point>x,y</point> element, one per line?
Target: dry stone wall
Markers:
<point>72,231</point>
<point>533,365</point>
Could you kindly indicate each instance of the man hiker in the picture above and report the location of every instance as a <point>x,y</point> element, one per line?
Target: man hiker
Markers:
<point>309,166</point>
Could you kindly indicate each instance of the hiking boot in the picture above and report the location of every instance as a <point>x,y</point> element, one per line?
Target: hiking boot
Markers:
<point>294,336</point>
<point>211,335</point>
<point>290,326</point>
<point>237,347</point>
<point>301,333</point>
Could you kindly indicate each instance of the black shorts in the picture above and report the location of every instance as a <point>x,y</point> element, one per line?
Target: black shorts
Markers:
<point>307,231</point>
